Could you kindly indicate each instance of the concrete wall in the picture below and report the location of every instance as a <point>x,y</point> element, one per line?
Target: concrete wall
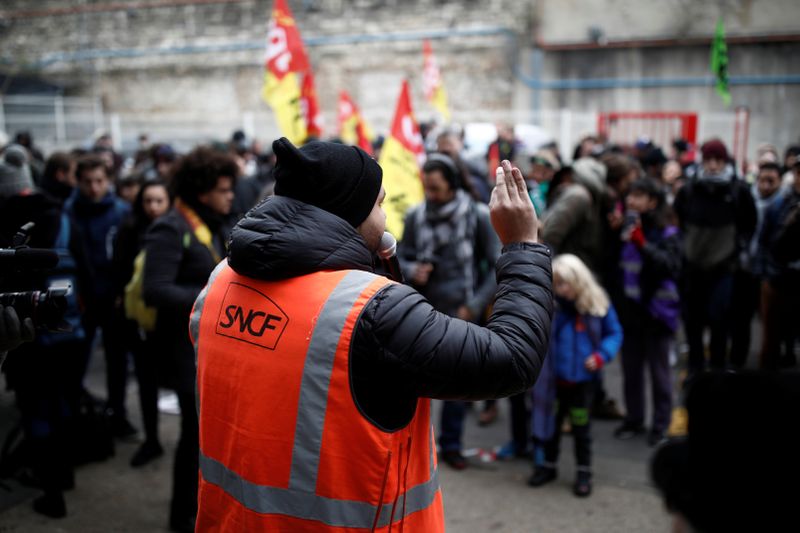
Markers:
<point>190,71</point>
<point>570,20</point>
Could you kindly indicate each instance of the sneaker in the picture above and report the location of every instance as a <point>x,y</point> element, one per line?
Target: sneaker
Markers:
<point>488,415</point>
<point>542,475</point>
<point>583,484</point>
<point>146,453</point>
<point>454,459</point>
<point>629,430</point>
<point>655,437</point>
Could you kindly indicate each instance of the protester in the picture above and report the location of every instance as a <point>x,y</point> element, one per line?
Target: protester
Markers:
<point>544,165</point>
<point>572,223</point>
<point>181,249</point>
<point>781,288</point>
<point>98,213</point>
<point>789,159</point>
<point>586,335</point>
<point>650,309</point>
<point>449,143</point>
<point>448,253</point>
<point>348,420</point>
<point>58,179</point>
<point>151,202</point>
<point>505,147</point>
<point>752,269</point>
<point>717,218</point>
<point>127,188</point>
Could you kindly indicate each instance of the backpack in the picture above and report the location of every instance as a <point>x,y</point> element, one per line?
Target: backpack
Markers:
<point>135,308</point>
<point>64,275</point>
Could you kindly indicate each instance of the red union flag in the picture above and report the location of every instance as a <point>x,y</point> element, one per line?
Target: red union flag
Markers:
<point>404,126</point>
<point>285,58</point>
<point>285,51</point>
<point>310,106</point>
<point>401,157</point>
<point>353,129</point>
<point>432,82</point>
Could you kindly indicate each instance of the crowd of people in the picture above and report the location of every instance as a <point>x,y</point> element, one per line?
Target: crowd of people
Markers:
<point>648,249</point>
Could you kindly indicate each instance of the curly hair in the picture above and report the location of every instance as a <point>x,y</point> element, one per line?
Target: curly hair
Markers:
<point>591,298</point>
<point>198,172</point>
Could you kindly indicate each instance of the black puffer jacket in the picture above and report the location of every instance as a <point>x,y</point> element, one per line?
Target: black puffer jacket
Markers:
<point>402,348</point>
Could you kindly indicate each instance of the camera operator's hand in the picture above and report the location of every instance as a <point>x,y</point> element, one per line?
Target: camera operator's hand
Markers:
<point>511,210</point>
<point>13,332</point>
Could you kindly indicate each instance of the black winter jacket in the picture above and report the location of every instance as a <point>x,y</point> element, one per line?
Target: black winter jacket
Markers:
<point>717,221</point>
<point>176,269</point>
<point>402,348</point>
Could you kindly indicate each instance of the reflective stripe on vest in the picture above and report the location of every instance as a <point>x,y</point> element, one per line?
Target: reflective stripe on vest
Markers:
<point>317,375</point>
<point>299,499</point>
<point>310,506</point>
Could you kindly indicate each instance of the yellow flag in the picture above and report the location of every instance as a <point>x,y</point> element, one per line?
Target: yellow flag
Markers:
<point>439,101</point>
<point>285,58</point>
<point>283,96</point>
<point>400,160</point>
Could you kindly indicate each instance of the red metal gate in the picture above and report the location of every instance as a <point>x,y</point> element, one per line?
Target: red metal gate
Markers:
<point>661,127</point>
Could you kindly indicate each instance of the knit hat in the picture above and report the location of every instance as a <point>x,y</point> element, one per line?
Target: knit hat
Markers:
<point>15,176</point>
<point>343,180</point>
<point>714,149</point>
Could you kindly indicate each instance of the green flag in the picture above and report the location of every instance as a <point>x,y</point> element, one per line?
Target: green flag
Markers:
<point>719,62</point>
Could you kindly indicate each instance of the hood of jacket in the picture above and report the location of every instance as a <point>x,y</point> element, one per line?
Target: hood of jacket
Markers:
<point>283,238</point>
<point>590,173</point>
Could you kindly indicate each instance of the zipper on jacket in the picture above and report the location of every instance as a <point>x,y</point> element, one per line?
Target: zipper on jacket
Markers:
<point>383,491</point>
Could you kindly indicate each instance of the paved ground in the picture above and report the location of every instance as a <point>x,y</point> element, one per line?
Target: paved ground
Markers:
<point>487,497</point>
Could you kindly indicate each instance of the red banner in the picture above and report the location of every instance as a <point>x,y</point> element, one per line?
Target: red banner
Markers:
<point>285,51</point>
<point>310,106</point>
<point>404,126</point>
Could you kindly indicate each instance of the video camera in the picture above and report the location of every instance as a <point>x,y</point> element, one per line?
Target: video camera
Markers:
<point>45,307</point>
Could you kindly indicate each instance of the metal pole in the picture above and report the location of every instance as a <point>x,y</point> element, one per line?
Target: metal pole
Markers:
<point>565,133</point>
<point>61,127</point>
<point>116,132</point>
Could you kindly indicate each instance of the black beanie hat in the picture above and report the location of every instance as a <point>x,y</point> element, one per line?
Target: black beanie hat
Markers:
<point>343,180</point>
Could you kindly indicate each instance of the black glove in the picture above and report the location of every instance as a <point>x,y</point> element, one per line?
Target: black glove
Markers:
<point>13,332</point>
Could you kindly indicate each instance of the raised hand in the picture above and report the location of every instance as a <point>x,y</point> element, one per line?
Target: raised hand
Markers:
<point>511,210</point>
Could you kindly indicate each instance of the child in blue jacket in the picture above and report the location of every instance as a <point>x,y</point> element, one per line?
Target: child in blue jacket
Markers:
<point>586,335</point>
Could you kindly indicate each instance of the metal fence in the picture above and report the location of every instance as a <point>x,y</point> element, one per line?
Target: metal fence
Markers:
<point>53,121</point>
<point>58,122</point>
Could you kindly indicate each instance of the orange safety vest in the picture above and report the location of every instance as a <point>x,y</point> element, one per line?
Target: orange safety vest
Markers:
<point>283,444</point>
